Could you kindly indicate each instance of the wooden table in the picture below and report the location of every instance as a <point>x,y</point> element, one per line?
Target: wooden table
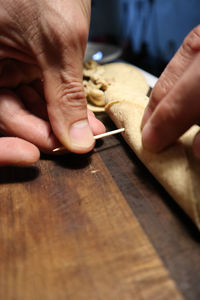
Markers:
<point>96,226</point>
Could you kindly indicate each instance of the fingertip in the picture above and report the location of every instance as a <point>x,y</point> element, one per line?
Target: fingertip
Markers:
<point>15,151</point>
<point>30,156</point>
<point>81,137</point>
<point>150,139</point>
<point>96,125</point>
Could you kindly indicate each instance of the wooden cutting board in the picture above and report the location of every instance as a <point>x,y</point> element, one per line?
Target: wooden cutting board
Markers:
<point>68,233</point>
<point>93,227</point>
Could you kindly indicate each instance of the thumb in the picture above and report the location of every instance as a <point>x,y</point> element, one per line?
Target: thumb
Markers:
<point>67,107</point>
<point>60,56</point>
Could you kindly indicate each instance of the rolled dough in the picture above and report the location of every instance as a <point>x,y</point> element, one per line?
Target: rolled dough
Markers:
<point>175,168</point>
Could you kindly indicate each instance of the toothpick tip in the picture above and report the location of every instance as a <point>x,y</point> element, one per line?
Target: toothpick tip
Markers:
<point>96,137</point>
<point>57,149</point>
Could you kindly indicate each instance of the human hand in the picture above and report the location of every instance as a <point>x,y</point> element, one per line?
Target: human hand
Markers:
<point>175,100</point>
<point>42,48</point>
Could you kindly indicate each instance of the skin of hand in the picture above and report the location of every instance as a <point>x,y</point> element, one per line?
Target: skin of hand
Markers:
<point>174,104</point>
<point>42,102</point>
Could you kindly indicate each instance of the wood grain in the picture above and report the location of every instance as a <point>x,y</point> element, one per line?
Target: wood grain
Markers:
<point>172,233</point>
<point>67,233</point>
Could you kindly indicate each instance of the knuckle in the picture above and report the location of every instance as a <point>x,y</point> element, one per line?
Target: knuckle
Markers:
<point>71,96</point>
<point>158,92</point>
<point>192,41</point>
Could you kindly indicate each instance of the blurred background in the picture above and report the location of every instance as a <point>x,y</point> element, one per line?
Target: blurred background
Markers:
<point>148,32</point>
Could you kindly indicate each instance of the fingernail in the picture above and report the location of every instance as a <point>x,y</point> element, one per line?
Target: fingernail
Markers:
<point>149,139</point>
<point>81,134</point>
<point>146,116</point>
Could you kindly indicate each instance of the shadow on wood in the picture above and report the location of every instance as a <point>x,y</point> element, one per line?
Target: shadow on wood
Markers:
<point>70,161</point>
<point>153,185</point>
<point>14,174</point>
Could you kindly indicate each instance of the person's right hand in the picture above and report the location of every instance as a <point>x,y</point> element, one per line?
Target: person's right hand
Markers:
<point>175,100</point>
<point>46,40</point>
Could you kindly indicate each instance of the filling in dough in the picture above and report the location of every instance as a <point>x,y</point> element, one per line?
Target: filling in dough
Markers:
<point>98,79</point>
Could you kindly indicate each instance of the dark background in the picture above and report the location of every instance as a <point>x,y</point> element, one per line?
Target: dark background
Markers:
<point>149,31</point>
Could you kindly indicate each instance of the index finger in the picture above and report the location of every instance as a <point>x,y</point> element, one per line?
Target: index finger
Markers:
<point>177,111</point>
<point>16,151</point>
<point>174,70</point>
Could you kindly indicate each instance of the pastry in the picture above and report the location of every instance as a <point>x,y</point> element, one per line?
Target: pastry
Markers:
<point>123,93</point>
<point>175,167</point>
<point>98,79</point>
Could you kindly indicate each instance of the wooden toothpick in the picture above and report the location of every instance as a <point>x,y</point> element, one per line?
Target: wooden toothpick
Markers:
<point>99,136</point>
<point>96,137</point>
